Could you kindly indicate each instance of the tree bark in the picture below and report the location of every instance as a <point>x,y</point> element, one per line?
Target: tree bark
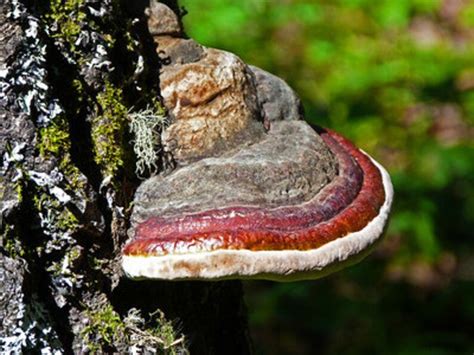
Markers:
<point>70,72</point>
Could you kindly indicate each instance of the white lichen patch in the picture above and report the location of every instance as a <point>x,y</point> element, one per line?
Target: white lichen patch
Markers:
<point>33,331</point>
<point>56,220</point>
<point>13,155</point>
<point>27,76</point>
<point>50,182</point>
<point>100,59</point>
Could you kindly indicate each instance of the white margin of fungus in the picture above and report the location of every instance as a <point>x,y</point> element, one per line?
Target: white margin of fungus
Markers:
<point>279,265</point>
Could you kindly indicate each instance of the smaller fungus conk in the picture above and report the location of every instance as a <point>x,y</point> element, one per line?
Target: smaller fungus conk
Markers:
<point>257,192</point>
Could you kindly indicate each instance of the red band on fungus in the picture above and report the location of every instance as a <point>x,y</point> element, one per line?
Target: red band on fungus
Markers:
<point>345,205</point>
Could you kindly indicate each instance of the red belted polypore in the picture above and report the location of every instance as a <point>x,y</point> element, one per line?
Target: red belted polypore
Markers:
<point>257,192</point>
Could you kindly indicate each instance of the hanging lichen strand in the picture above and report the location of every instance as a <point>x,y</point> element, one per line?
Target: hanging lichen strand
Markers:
<point>146,127</point>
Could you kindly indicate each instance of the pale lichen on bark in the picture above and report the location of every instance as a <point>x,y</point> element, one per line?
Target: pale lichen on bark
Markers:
<point>65,183</point>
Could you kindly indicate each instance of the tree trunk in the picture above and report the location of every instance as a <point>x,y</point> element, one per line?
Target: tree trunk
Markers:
<point>70,73</point>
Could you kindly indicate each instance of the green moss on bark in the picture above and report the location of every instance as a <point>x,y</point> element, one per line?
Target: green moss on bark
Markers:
<point>61,217</point>
<point>55,141</point>
<point>108,129</point>
<point>10,242</point>
<point>103,329</point>
<point>67,16</point>
<point>106,331</point>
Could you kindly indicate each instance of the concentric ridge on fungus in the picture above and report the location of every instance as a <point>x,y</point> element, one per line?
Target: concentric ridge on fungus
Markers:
<point>305,240</point>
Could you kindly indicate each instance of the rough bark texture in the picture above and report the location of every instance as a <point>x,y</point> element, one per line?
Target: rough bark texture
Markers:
<point>71,72</point>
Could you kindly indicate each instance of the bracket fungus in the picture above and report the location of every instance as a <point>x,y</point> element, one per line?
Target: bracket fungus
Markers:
<point>257,192</point>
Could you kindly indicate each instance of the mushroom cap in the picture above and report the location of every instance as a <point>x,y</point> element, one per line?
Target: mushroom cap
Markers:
<point>331,224</point>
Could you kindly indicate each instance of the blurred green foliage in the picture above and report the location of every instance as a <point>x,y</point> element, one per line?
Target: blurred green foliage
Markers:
<point>397,77</point>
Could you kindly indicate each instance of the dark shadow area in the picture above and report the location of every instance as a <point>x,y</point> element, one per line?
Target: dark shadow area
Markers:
<point>212,315</point>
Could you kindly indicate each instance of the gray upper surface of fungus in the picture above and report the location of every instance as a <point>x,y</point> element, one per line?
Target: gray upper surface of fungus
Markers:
<point>277,99</point>
<point>273,172</point>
